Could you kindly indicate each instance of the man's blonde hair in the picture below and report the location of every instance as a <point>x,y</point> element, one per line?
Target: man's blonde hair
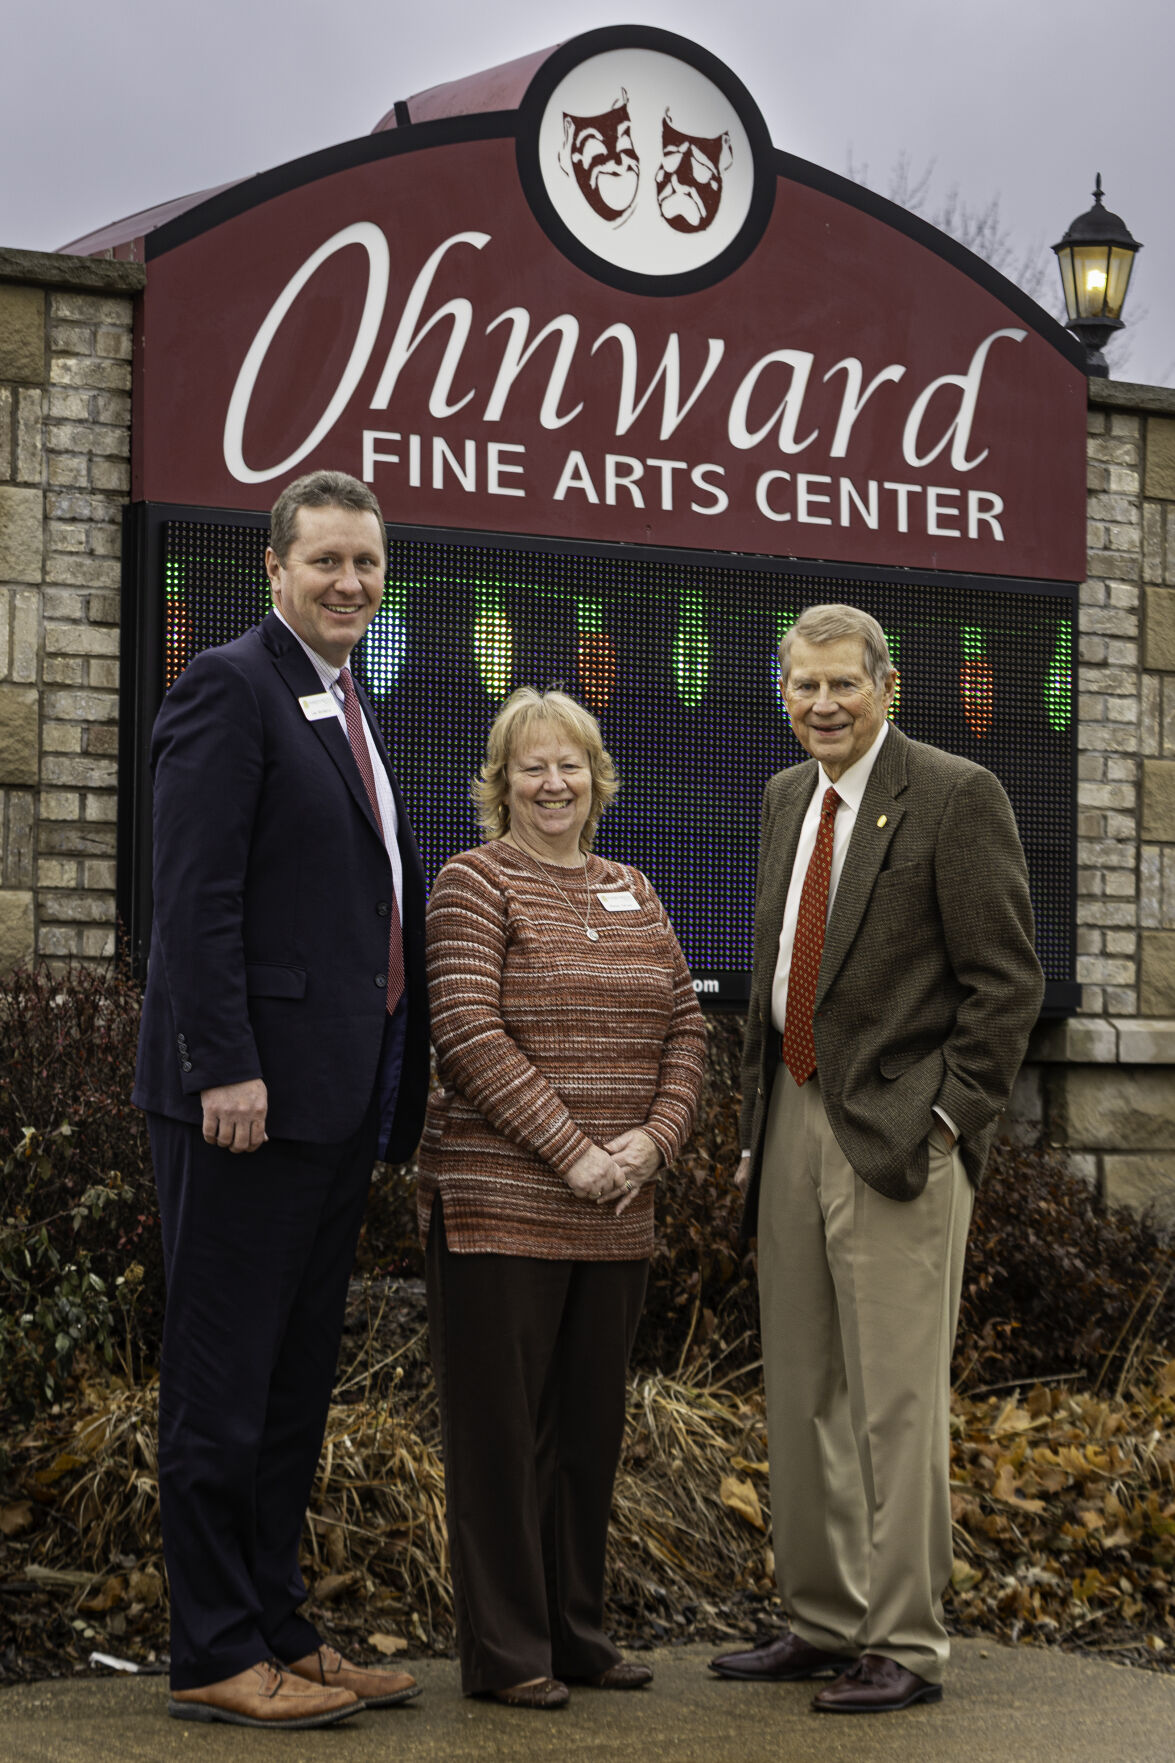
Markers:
<point>828,624</point>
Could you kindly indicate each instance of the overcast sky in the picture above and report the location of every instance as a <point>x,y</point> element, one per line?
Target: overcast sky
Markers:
<point>114,107</point>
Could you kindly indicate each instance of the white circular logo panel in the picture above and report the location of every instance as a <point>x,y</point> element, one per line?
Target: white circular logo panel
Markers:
<point>645,161</point>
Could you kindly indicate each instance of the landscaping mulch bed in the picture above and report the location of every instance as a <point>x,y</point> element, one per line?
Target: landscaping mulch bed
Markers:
<point>1064,1507</point>
<point>1063,1422</point>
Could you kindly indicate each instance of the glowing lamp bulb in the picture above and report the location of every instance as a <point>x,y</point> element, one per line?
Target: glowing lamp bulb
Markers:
<point>596,666</point>
<point>976,684</point>
<point>1058,685</point>
<point>493,650</point>
<point>691,652</point>
<point>385,648</point>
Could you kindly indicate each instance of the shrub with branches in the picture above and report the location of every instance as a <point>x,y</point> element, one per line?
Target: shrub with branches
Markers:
<point>80,1257</point>
<point>1055,1284</point>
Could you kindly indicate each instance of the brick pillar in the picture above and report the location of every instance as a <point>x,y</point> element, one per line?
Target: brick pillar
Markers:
<point>1108,1076</point>
<point>65,346</point>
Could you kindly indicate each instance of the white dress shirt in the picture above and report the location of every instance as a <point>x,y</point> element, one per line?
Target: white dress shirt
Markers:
<point>850,789</point>
<point>329,675</point>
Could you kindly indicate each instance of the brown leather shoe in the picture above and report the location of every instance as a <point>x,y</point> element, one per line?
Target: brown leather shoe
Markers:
<point>545,1692</point>
<point>786,1660</point>
<point>626,1674</point>
<point>374,1688</point>
<point>264,1695</point>
<point>875,1685</point>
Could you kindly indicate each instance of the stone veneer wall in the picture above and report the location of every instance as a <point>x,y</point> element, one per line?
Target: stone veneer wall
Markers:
<point>65,416</point>
<point>1102,1085</point>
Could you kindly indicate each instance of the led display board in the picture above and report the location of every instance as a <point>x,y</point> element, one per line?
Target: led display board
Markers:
<point>676,656</point>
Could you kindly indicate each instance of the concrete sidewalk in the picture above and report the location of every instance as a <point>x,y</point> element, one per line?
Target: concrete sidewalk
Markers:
<point>1002,1705</point>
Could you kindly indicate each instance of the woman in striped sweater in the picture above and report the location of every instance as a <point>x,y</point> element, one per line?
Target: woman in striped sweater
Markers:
<point>570,1049</point>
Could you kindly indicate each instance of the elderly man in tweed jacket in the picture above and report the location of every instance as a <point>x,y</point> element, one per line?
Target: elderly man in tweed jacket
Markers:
<point>894,987</point>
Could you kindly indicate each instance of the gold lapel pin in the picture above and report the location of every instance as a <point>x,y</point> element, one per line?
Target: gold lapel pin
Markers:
<point>881,819</point>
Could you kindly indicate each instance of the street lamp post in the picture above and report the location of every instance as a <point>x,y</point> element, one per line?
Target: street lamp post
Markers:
<point>1096,256</point>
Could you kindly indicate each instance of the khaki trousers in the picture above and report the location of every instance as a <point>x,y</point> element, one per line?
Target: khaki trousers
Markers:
<point>859,1298</point>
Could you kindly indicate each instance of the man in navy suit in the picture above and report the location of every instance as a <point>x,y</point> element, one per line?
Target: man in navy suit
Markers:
<point>284,1047</point>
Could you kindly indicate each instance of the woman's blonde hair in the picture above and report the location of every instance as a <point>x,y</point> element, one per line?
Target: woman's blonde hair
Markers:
<point>523,711</point>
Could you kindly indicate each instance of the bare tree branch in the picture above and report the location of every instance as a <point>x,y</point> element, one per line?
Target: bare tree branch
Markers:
<point>982,230</point>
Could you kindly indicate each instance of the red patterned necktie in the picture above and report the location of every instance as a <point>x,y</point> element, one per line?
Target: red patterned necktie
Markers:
<point>358,739</point>
<point>799,1044</point>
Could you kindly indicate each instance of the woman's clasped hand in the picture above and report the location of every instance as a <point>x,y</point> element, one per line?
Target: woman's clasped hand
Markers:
<point>616,1172</point>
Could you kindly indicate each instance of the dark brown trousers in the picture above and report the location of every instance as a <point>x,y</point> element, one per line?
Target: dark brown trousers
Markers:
<point>531,1358</point>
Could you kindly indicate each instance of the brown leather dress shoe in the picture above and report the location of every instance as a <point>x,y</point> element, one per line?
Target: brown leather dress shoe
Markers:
<point>626,1674</point>
<point>545,1692</point>
<point>786,1660</point>
<point>264,1695</point>
<point>875,1685</point>
<point>374,1688</point>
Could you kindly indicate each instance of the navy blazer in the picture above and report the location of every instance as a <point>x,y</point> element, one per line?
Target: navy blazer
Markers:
<point>272,895</point>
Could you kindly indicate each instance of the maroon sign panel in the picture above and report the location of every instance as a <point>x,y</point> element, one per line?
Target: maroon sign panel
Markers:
<point>616,314</point>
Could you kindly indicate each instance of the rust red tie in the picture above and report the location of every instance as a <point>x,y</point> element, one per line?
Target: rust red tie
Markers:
<point>358,739</point>
<point>799,1044</point>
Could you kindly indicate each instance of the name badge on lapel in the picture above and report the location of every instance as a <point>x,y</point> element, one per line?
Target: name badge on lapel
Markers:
<point>620,901</point>
<point>317,705</point>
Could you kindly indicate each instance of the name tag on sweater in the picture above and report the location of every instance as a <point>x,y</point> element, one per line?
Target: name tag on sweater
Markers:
<point>621,901</point>
<point>317,705</point>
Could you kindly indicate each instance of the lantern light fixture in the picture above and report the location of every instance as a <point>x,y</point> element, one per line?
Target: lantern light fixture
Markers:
<point>1096,257</point>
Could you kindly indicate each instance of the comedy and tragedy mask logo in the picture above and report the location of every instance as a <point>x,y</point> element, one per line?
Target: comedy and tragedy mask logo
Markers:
<point>689,177</point>
<point>640,163</point>
<point>599,153</point>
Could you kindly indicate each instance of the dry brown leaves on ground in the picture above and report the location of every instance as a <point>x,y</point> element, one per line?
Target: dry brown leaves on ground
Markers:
<point>1064,1507</point>
<point>1064,1510</point>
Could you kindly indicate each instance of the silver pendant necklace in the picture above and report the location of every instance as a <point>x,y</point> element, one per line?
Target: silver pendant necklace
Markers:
<point>593,936</point>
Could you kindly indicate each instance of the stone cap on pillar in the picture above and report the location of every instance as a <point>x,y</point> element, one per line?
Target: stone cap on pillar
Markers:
<point>1104,1040</point>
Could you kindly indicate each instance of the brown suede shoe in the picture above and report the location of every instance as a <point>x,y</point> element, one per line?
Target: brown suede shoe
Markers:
<point>786,1660</point>
<point>374,1688</point>
<point>264,1695</point>
<point>875,1685</point>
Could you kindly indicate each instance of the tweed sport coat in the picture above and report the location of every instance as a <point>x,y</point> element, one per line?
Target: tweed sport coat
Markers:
<point>929,982</point>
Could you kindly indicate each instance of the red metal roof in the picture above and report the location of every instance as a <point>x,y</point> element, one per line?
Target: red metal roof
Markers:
<point>496,88</point>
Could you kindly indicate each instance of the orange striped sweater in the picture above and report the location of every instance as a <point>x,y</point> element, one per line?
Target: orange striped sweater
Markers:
<point>547,1042</point>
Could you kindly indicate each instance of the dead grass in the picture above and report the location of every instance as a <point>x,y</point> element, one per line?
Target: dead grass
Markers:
<point>1064,1505</point>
